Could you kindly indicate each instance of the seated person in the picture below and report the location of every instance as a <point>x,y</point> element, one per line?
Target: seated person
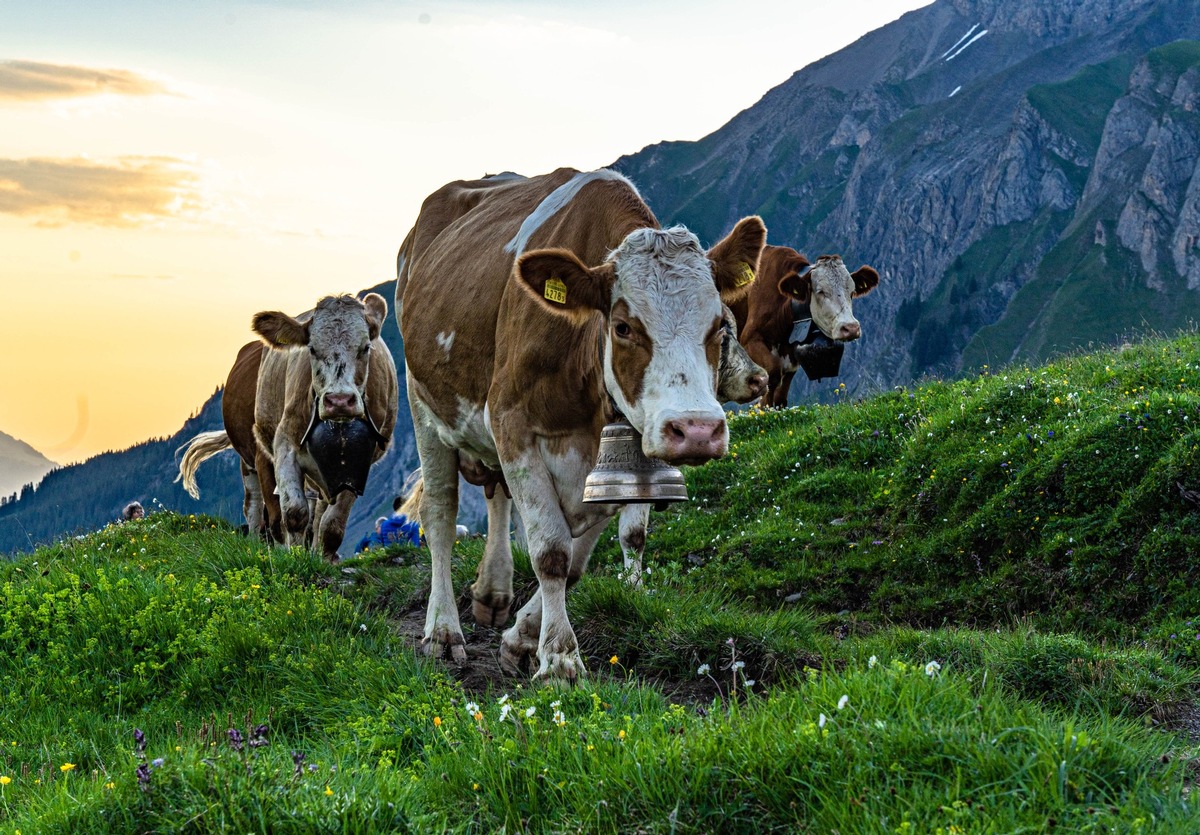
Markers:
<point>397,528</point>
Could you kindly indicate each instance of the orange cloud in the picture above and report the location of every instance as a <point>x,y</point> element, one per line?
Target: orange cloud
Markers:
<point>130,192</point>
<point>23,81</point>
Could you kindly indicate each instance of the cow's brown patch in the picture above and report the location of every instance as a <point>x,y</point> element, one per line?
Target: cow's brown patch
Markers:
<point>635,539</point>
<point>554,563</point>
<point>632,350</point>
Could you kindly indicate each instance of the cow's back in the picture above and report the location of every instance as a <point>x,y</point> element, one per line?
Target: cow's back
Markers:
<point>237,402</point>
<point>455,268</point>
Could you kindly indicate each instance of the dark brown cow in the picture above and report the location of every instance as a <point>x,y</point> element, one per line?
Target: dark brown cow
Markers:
<point>789,288</point>
<point>259,504</point>
<point>530,309</point>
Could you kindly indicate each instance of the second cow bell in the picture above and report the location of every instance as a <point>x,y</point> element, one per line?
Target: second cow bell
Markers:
<point>624,475</point>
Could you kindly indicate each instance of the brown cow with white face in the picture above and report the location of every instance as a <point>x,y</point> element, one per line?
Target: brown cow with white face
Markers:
<point>530,308</point>
<point>335,365</point>
<point>787,288</point>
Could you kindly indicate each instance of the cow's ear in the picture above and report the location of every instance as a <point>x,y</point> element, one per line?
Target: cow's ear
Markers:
<point>376,313</point>
<point>565,285</point>
<point>279,330</point>
<point>735,259</point>
<point>865,280</point>
<point>797,285</point>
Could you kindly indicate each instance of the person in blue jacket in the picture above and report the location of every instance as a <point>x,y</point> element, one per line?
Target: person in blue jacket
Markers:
<point>397,528</point>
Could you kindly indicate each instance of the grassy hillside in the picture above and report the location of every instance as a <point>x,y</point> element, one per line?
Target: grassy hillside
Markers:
<point>962,607</point>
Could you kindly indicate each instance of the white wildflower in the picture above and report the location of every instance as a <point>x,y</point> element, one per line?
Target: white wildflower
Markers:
<point>842,702</point>
<point>529,711</point>
<point>872,661</point>
<point>703,670</point>
<point>821,721</point>
<point>932,668</point>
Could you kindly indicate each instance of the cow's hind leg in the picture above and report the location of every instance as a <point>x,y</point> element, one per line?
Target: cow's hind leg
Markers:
<point>632,525</point>
<point>332,524</point>
<point>252,502</point>
<point>493,591</point>
<point>439,509</point>
<point>272,511</point>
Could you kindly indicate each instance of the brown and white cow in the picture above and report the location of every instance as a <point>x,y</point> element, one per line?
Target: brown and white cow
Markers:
<point>530,310</point>
<point>788,288</point>
<point>739,380</point>
<point>335,364</point>
<point>259,504</point>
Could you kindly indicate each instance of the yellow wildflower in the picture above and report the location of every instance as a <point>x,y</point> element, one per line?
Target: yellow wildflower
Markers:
<point>328,791</point>
<point>612,660</point>
<point>5,780</point>
<point>437,721</point>
<point>65,767</point>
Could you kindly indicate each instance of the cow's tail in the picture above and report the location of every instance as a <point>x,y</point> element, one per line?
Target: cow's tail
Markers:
<point>198,450</point>
<point>414,489</point>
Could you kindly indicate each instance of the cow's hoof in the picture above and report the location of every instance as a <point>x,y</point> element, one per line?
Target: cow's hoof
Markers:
<point>517,651</point>
<point>561,666</point>
<point>513,662</point>
<point>493,612</point>
<point>451,646</point>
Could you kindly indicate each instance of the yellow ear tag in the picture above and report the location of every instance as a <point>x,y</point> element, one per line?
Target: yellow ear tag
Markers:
<point>556,291</point>
<point>744,276</point>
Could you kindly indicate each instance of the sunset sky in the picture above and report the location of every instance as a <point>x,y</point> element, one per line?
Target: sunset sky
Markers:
<point>169,168</point>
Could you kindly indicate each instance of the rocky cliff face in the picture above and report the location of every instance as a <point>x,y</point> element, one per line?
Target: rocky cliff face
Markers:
<point>986,156</point>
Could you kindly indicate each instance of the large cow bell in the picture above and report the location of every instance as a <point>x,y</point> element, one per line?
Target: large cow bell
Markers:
<point>818,355</point>
<point>343,451</point>
<point>624,475</point>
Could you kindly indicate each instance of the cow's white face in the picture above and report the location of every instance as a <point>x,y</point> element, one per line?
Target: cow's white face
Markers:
<point>829,288</point>
<point>664,345</point>
<point>739,378</point>
<point>338,338</point>
<point>662,297</point>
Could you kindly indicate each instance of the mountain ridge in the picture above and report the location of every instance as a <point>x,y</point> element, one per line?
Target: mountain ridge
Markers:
<point>20,465</point>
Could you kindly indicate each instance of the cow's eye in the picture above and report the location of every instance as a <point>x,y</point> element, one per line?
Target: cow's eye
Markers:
<point>623,330</point>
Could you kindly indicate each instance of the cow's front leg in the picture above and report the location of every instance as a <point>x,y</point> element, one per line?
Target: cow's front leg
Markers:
<point>332,524</point>
<point>493,589</point>
<point>632,527</point>
<point>528,635</point>
<point>438,511</point>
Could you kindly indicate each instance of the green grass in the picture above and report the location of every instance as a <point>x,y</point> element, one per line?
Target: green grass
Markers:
<point>962,607</point>
<point>1078,106</point>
